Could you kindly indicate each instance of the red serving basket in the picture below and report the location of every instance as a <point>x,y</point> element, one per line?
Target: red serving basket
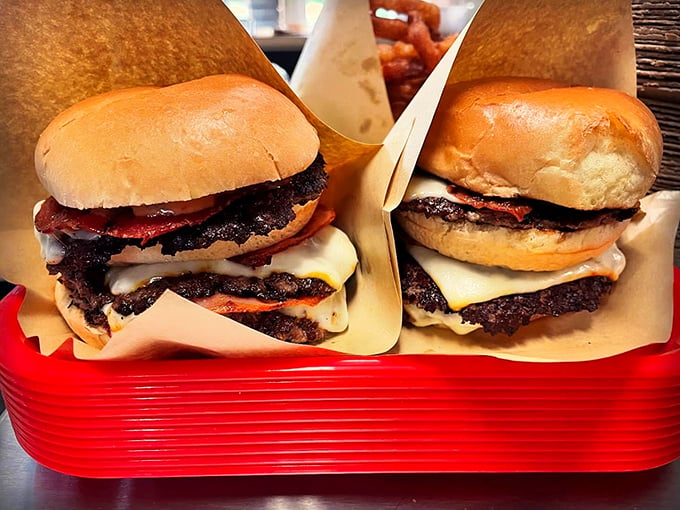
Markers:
<point>341,414</point>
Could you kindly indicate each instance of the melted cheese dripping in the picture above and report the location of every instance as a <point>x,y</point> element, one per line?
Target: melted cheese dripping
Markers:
<point>463,283</point>
<point>328,255</point>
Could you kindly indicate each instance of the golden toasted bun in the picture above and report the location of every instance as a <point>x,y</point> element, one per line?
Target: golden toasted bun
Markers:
<point>152,145</point>
<point>578,147</point>
<point>74,317</point>
<point>521,250</point>
<point>219,249</point>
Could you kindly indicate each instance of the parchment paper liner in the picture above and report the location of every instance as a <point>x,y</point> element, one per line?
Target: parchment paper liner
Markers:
<point>582,43</point>
<point>55,56</point>
<point>338,75</point>
<point>638,312</point>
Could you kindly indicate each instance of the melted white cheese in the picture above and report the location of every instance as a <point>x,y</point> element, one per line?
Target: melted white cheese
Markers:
<point>330,313</point>
<point>462,283</point>
<point>452,321</point>
<point>116,320</point>
<point>424,186</point>
<point>329,255</point>
<point>51,249</point>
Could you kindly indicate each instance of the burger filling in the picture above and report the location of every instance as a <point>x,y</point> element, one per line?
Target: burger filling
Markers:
<point>78,245</point>
<point>445,292</point>
<point>239,214</point>
<point>434,197</point>
<point>282,326</point>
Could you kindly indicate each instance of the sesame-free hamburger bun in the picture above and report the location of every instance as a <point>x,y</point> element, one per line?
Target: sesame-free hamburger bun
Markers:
<point>151,145</point>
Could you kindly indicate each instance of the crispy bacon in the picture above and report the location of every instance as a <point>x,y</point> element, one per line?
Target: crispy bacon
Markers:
<point>322,216</point>
<point>513,206</point>
<point>145,227</point>
<point>53,216</point>
<point>117,222</point>
<point>224,304</point>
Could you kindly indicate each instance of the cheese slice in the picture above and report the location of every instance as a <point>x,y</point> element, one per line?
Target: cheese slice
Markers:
<point>463,283</point>
<point>116,321</point>
<point>328,255</point>
<point>330,313</point>
<point>453,321</point>
<point>424,186</point>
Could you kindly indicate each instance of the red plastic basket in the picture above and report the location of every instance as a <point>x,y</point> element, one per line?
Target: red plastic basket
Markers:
<point>341,414</point>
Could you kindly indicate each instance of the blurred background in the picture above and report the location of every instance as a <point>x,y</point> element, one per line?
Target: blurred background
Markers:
<point>281,26</point>
<point>265,18</point>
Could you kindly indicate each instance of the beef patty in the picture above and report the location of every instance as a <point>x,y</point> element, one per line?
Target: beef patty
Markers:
<point>505,314</point>
<point>277,287</point>
<point>282,327</point>
<point>543,215</point>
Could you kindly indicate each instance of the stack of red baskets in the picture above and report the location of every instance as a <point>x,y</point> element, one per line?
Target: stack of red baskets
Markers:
<point>341,414</point>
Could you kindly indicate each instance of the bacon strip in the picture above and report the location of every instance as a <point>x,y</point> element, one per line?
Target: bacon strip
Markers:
<point>145,227</point>
<point>117,222</point>
<point>322,217</point>
<point>224,304</point>
<point>511,206</point>
<point>53,216</point>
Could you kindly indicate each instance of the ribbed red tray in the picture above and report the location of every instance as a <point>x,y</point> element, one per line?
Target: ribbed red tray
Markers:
<point>341,414</point>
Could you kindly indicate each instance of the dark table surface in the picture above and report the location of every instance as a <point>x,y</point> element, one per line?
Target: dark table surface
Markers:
<point>24,484</point>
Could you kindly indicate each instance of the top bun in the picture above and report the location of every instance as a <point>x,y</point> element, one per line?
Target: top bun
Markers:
<point>579,147</point>
<point>197,138</point>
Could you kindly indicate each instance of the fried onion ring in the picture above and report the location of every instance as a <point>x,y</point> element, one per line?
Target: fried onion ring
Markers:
<point>390,29</point>
<point>419,36</point>
<point>417,48</point>
<point>429,12</point>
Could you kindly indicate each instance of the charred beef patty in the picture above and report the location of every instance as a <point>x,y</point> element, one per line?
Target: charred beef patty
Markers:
<point>255,210</point>
<point>277,287</point>
<point>541,215</point>
<point>252,210</point>
<point>282,327</point>
<point>505,314</point>
<point>258,213</point>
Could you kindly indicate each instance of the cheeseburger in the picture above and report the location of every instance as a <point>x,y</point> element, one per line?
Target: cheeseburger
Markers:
<point>522,188</point>
<point>208,188</point>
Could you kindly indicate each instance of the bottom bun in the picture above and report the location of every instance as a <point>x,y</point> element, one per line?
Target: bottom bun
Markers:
<point>521,250</point>
<point>75,318</point>
<point>219,249</point>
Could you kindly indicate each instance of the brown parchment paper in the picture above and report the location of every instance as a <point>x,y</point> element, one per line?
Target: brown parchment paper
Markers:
<point>370,219</point>
<point>338,74</point>
<point>578,41</point>
<point>638,312</point>
<point>582,43</point>
<point>55,54</point>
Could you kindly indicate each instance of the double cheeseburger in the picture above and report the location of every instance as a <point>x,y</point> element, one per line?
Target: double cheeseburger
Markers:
<point>208,188</point>
<point>522,188</point>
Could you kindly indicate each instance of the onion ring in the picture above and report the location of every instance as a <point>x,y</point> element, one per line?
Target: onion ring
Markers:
<point>430,13</point>
<point>417,48</point>
<point>419,36</point>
